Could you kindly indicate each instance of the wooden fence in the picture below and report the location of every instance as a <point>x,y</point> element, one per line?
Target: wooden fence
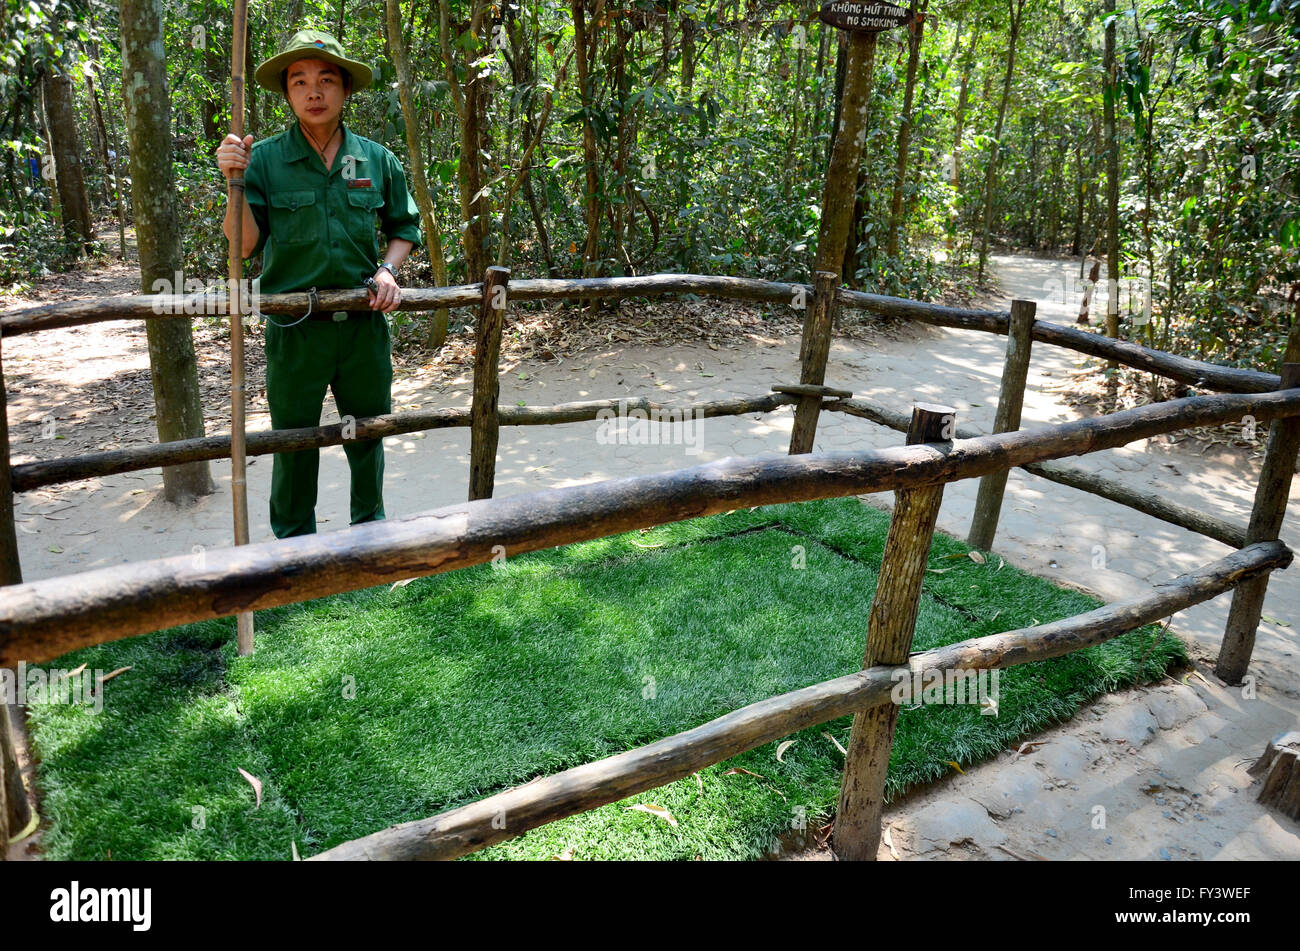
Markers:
<point>45,619</point>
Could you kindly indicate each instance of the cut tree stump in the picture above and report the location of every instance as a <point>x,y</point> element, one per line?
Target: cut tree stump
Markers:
<point>1280,767</point>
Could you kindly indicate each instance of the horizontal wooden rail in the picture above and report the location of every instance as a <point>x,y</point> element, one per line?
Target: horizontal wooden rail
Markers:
<point>140,307</point>
<point>33,475</point>
<point>43,619</point>
<point>1195,372</point>
<point>149,306</point>
<point>1157,506</point>
<point>547,799</point>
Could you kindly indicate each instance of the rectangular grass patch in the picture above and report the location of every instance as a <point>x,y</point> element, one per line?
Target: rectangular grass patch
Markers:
<point>381,706</point>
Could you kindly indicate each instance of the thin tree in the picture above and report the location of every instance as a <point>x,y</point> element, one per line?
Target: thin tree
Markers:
<point>1016,11</point>
<point>1110,91</point>
<point>916,32</point>
<point>65,148</point>
<point>419,178</point>
<point>178,409</point>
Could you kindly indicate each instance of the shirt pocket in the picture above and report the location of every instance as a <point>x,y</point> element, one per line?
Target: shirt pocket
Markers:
<point>296,217</point>
<point>365,200</point>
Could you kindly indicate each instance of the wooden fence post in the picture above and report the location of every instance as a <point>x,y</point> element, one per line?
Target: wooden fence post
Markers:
<point>11,571</point>
<point>1265,524</point>
<point>6,748</point>
<point>1015,371</point>
<point>484,423</point>
<point>818,324</point>
<point>15,812</point>
<point>889,638</point>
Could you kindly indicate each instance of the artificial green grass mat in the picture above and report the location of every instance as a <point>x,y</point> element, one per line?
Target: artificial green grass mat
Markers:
<point>381,706</point>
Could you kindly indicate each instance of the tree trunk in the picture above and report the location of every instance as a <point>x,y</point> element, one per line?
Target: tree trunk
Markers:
<point>179,412</point>
<point>215,72</point>
<point>846,155</point>
<point>65,145</point>
<point>959,127</point>
<point>1016,8</point>
<point>110,163</point>
<point>1112,200</point>
<point>470,176</point>
<point>584,44</point>
<point>419,180</point>
<point>916,31</point>
<point>688,59</point>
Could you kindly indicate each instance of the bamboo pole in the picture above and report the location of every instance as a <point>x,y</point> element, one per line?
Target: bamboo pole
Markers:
<point>235,198</point>
<point>511,813</point>
<point>1193,520</point>
<point>41,620</point>
<point>1271,496</point>
<point>1015,372</point>
<point>485,424</point>
<point>13,800</point>
<point>6,750</point>
<point>890,628</point>
<point>817,331</point>
<point>11,571</point>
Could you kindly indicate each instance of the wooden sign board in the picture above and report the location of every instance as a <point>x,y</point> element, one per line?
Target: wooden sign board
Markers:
<point>864,16</point>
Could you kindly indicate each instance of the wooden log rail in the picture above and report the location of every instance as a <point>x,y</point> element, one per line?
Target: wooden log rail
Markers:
<point>547,799</point>
<point>1184,516</point>
<point>33,475</point>
<point>1209,376</point>
<point>143,307</point>
<point>44,619</point>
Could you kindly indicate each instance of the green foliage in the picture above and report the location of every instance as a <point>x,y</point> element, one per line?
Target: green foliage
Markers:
<point>712,125</point>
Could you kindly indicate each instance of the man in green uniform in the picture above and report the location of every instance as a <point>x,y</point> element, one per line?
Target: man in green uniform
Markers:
<point>314,193</point>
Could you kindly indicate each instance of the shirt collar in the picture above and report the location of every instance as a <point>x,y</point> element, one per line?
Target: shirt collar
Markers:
<point>300,148</point>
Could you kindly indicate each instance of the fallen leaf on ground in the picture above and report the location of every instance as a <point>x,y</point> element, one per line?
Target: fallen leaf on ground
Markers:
<point>254,781</point>
<point>1029,747</point>
<point>565,856</point>
<point>889,841</point>
<point>107,677</point>
<point>836,742</point>
<point>949,762</point>
<point>739,771</point>
<point>780,750</point>
<point>976,557</point>
<point>654,810</point>
<point>73,673</point>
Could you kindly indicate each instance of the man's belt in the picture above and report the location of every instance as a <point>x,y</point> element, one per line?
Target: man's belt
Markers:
<point>340,315</point>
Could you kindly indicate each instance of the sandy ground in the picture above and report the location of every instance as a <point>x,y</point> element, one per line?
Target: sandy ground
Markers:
<point>1152,773</point>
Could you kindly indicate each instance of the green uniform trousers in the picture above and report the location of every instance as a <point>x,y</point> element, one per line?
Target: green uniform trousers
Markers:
<point>354,359</point>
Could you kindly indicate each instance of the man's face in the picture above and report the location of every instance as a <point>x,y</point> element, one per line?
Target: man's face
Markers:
<point>315,91</point>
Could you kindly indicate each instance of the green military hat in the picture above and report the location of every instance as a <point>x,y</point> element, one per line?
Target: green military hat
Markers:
<point>311,44</point>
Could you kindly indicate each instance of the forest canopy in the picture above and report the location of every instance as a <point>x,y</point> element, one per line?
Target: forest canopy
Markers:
<point>609,137</point>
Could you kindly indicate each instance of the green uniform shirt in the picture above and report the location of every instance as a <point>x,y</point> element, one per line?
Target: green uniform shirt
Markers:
<point>318,227</point>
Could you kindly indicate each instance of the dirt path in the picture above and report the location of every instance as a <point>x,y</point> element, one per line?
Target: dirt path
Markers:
<point>1167,764</point>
